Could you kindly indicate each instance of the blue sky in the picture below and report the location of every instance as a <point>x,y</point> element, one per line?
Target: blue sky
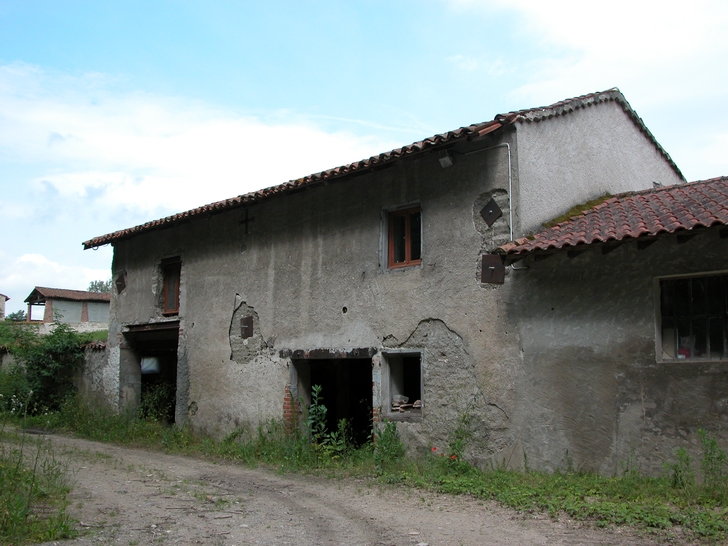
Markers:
<point>116,113</point>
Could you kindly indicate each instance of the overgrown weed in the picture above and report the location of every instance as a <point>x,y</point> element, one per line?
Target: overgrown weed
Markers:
<point>676,499</point>
<point>33,491</point>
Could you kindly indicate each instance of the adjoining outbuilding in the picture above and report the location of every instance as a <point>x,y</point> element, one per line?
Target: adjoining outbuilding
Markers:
<point>84,311</point>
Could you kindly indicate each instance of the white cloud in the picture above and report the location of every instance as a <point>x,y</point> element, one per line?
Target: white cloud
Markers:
<point>16,273</point>
<point>664,51</point>
<point>153,152</point>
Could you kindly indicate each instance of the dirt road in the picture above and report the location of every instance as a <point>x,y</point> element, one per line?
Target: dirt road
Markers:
<point>130,496</point>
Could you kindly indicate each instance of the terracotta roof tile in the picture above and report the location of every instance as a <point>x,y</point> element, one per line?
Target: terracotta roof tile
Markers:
<point>635,214</point>
<point>478,130</point>
<point>41,293</point>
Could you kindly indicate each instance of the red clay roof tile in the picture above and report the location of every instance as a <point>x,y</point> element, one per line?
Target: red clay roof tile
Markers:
<point>477,130</point>
<point>635,214</point>
<point>42,293</point>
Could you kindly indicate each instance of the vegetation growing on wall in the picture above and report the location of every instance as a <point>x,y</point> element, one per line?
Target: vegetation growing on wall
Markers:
<point>577,210</point>
<point>45,366</point>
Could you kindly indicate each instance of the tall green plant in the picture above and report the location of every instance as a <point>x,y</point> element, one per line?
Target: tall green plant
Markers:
<point>316,423</point>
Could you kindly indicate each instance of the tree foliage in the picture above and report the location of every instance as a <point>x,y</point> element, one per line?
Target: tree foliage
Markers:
<point>100,286</point>
<point>16,315</point>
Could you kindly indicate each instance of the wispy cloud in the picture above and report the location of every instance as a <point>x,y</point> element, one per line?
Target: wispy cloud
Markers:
<point>15,273</point>
<point>665,52</point>
<point>154,153</point>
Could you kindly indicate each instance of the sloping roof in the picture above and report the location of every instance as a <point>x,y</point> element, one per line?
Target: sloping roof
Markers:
<point>4,296</point>
<point>442,140</point>
<point>42,293</point>
<point>635,214</point>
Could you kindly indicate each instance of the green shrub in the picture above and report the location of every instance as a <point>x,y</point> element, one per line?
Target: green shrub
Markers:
<point>50,363</point>
<point>14,389</point>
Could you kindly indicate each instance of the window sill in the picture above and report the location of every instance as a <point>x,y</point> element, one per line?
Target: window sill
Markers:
<point>408,416</point>
<point>693,361</point>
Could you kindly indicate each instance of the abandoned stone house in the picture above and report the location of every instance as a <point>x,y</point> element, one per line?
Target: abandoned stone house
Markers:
<point>403,285</point>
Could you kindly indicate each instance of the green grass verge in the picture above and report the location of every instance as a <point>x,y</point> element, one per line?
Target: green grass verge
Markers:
<point>664,504</point>
<point>33,490</point>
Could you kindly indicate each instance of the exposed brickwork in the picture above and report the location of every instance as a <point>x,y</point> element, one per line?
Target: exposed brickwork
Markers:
<point>291,409</point>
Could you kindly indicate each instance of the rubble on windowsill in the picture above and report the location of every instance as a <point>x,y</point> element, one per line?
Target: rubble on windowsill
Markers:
<point>403,407</point>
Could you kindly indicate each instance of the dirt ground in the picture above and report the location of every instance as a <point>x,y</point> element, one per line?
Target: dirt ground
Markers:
<point>131,496</point>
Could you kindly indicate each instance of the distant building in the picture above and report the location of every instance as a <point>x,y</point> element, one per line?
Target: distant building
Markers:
<point>3,299</point>
<point>85,311</point>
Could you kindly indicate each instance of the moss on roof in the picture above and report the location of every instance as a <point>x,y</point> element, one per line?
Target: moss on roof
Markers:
<point>577,210</point>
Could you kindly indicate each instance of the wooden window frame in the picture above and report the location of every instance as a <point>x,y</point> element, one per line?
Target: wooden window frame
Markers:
<point>679,347</point>
<point>171,272</point>
<point>408,261</point>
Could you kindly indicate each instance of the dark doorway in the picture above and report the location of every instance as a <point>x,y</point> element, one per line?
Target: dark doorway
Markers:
<point>156,348</point>
<point>346,389</point>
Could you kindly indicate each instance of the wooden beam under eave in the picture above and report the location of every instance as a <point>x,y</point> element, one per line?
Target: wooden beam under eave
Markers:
<point>574,253</point>
<point>685,237</point>
<point>608,247</point>
<point>641,245</point>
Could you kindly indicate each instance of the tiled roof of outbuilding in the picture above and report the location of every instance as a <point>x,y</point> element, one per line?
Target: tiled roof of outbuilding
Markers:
<point>635,214</point>
<point>441,140</point>
<point>42,293</point>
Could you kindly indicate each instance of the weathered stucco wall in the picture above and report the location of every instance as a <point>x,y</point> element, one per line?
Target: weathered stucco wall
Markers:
<point>64,311</point>
<point>90,379</point>
<point>583,154</point>
<point>310,271</point>
<point>593,393</point>
<point>98,311</point>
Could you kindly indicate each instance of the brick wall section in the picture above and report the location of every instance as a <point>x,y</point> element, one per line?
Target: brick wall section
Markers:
<point>291,409</point>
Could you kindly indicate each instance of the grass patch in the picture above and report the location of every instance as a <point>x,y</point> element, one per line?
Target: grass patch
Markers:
<point>99,335</point>
<point>33,490</point>
<point>698,505</point>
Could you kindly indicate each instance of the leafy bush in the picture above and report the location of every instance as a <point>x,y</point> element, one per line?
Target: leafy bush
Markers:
<point>14,389</point>
<point>50,363</point>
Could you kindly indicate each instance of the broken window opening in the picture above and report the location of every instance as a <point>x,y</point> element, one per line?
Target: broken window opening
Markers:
<point>404,383</point>
<point>346,392</point>
<point>404,232</point>
<point>171,274</point>
<point>694,318</point>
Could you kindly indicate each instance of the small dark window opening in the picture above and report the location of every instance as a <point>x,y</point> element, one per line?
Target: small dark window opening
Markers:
<point>171,271</point>
<point>694,317</point>
<point>405,237</point>
<point>405,383</point>
<point>120,283</point>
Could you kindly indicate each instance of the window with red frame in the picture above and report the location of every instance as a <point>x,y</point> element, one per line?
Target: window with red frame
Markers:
<point>405,237</point>
<point>171,270</point>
